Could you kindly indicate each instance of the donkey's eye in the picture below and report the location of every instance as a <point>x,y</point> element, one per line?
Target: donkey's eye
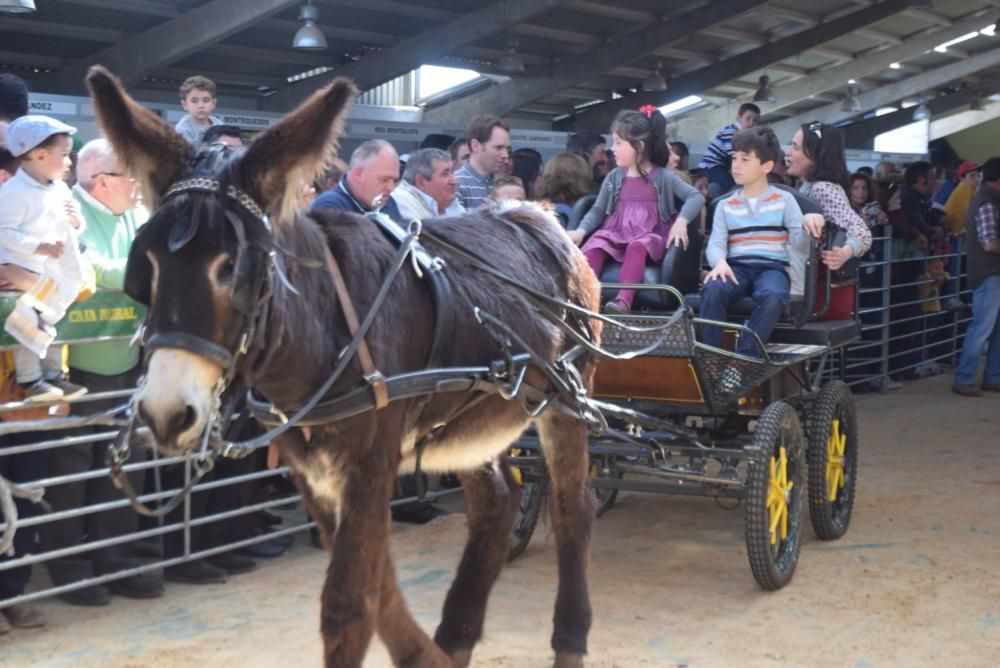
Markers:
<point>226,270</point>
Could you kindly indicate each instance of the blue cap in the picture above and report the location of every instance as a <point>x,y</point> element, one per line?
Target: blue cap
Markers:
<point>27,132</point>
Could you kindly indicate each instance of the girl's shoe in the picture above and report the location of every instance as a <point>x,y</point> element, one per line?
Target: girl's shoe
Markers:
<point>617,306</point>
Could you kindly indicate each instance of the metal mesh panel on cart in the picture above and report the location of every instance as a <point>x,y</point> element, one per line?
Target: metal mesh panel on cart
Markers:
<point>728,378</point>
<point>676,341</point>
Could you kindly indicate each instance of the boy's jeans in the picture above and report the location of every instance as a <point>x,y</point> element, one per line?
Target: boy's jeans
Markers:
<point>984,331</point>
<point>766,282</point>
<point>30,367</point>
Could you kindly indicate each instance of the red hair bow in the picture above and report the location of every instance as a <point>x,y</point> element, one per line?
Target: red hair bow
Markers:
<point>648,110</point>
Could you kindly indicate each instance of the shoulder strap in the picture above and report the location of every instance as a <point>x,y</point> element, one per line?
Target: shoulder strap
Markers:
<point>372,375</point>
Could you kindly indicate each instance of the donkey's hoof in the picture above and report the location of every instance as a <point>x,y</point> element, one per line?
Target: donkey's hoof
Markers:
<point>461,658</point>
<point>567,660</point>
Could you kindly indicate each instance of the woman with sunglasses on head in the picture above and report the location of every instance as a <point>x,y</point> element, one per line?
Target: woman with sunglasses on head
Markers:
<point>816,156</point>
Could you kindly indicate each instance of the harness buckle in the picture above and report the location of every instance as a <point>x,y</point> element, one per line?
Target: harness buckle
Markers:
<point>379,389</point>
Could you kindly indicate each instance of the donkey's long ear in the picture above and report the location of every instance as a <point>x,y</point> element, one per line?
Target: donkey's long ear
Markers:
<point>151,150</point>
<point>292,153</point>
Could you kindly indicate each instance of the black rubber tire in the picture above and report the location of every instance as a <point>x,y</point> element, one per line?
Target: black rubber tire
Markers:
<point>830,519</point>
<point>605,496</point>
<point>529,507</point>
<point>528,512</point>
<point>774,565</point>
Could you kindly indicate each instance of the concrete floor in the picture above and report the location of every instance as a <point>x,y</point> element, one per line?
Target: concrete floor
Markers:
<point>915,582</point>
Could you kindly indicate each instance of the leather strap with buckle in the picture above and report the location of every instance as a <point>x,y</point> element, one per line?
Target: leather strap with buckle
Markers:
<point>372,375</point>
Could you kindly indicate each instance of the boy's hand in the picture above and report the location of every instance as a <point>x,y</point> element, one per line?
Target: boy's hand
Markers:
<point>678,235</point>
<point>54,249</point>
<point>721,272</point>
<point>73,213</point>
<point>577,236</point>
<point>813,224</point>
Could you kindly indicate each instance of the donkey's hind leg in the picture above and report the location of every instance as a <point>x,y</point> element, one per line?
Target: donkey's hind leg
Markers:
<point>491,503</point>
<point>407,643</point>
<point>564,442</point>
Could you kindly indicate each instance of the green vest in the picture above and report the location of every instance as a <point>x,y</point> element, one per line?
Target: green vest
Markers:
<point>107,240</point>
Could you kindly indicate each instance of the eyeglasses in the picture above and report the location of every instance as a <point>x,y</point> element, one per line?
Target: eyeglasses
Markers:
<point>816,128</point>
<point>108,174</point>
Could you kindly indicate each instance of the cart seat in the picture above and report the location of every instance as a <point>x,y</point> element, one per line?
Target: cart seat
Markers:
<point>679,268</point>
<point>830,333</point>
<point>804,273</point>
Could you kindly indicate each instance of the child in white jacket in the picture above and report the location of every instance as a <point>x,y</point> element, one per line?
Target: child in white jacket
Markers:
<point>36,207</point>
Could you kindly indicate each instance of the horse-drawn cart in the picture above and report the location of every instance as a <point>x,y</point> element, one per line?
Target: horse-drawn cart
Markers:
<point>688,418</point>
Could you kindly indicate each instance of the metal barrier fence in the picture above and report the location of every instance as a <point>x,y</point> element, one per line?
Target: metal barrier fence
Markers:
<point>907,332</point>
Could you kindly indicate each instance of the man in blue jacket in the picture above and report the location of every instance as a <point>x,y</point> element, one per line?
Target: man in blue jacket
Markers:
<point>367,186</point>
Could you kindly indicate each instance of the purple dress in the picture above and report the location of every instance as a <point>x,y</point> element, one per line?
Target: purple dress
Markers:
<point>636,218</point>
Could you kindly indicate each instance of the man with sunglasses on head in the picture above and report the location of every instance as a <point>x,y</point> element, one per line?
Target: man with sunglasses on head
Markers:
<point>108,201</point>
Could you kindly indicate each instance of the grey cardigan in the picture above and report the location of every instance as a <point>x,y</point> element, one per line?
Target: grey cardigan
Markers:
<point>667,185</point>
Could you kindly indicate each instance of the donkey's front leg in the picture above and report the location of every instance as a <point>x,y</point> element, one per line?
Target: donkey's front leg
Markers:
<point>491,503</point>
<point>351,593</point>
<point>564,441</point>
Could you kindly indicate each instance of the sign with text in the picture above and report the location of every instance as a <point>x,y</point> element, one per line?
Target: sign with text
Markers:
<point>109,313</point>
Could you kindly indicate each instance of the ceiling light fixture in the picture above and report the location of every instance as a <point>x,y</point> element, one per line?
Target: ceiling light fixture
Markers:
<point>764,92</point>
<point>17,6</point>
<point>655,82</point>
<point>851,103</point>
<point>510,62</point>
<point>922,112</point>
<point>309,36</point>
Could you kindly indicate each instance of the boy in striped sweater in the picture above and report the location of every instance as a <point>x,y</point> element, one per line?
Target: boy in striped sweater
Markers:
<point>754,233</point>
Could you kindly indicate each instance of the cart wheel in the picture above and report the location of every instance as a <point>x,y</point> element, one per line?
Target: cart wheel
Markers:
<point>601,467</point>
<point>832,427</point>
<point>774,496</point>
<point>528,511</point>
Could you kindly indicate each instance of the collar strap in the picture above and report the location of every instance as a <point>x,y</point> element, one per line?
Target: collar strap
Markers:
<point>200,184</point>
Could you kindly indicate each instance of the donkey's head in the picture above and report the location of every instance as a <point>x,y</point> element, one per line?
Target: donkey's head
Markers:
<point>203,263</point>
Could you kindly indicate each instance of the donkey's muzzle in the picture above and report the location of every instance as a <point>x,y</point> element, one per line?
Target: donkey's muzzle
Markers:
<point>167,426</point>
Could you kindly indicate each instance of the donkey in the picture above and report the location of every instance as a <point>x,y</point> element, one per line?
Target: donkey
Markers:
<point>193,272</point>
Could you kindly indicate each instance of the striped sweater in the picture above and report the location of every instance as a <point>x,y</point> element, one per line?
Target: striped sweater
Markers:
<point>767,230</point>
<point>720,152</point>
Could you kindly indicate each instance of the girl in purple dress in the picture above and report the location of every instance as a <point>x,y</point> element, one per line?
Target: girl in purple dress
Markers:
<point>635,218</point>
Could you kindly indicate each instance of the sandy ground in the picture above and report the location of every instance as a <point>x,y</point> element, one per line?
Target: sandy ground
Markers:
<point>915,582</point>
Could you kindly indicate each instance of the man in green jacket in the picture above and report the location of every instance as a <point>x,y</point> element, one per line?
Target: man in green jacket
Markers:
<point>107,199</point>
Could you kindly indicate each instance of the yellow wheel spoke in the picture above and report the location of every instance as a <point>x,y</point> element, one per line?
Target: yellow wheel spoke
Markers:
<point>778,492</point>
<point>515,471</point>
<point>836,447</point>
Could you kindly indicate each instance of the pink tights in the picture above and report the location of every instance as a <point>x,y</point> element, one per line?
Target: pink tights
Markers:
<point>633,267</point>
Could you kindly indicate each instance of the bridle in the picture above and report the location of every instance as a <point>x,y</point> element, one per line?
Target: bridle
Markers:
<point>253,281</point>
<point>254,272</point>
